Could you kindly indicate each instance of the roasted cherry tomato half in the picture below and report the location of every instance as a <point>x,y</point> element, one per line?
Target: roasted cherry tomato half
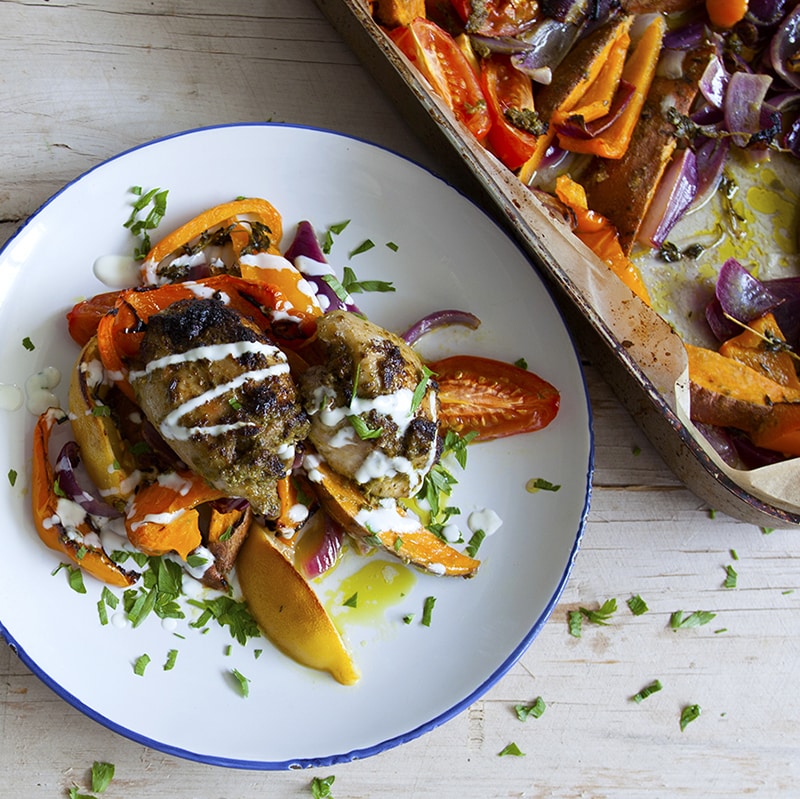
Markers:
<point>506,89</point>
<point>437,56</point>
<point>493,398</point>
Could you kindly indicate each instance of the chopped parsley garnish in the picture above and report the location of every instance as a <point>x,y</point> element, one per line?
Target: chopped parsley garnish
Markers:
<point>365,245</point>
<point>172,656</point>
<point>242,682</point>
<point>141,664</point>
<point>427,610</point>
<point>521,363</point>
<point>408,618</point>
<point>730,577</point>
<point>392,246</point>
<point>511,749</point>
<point>146,215</point>
<point>688,715</point>
<point>75,579</point>
<point>352,601</point>
<point>28,344</point>
<point>102,774</point>
<point>535,709</point>
<point>602,614</point>
<point>475,543</point>
<point>228,613</point>
<point>321,787</point>
<point>540,484</point>
<point>12,477</point>
<point>637,605</point>
<point>652,688</point>
<point>419,391</point>
<point>333,230</point>
<point>677,621</point>
<point>352,285</point>
<point>102,612</point>
<point>363,430</point>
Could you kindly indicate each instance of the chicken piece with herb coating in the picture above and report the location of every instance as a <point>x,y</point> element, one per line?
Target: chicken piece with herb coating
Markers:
<point>219,391</point>
<point>373,407</point>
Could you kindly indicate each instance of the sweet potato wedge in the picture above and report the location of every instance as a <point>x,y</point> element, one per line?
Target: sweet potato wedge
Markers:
<point>410,541</point>
<point>727,393</point>
<point>622,189</point>
<point>760,348</point>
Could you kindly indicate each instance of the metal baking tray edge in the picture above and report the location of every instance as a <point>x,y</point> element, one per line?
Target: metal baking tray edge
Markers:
<point>489,187</point>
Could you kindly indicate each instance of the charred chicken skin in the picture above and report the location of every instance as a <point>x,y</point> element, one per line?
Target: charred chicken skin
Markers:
<point>219,391</point>
<point>373,407</point>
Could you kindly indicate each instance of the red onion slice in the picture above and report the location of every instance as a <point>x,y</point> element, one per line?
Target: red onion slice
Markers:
<point>68,460</point>
<point>327,546</point>
<point>738,295</point>
<point>743,103</point>
<point>675,193</point>
<point>439,319</point>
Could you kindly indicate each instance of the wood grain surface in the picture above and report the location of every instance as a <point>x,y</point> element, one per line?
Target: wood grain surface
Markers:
<point>83,81</point>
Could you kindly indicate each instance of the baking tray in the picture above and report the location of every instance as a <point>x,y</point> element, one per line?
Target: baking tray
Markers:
<point>636,351</point>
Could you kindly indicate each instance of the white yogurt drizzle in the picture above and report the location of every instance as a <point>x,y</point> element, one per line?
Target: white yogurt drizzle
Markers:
<point>170,426</point>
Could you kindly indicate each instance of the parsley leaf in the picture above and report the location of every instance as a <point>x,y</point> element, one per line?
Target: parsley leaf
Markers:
<point>172,656</point>
<point>602,614</point>
<point>242,682</point>
<point>102,774</point>
<point>540,484</point>
<point>688,715</point>
<point>153,205</point>
<point>427,610</point>
<point>365,245</point>
<point>730,577</point>
<point>677,621</point>
<point>12,477</point>
<point>511,749</point>
<point>475,542</point>
<point>353,285</point>
<point>637,605</point>
<point>321,787</point>
<point>141,664</point>
<point>351,602</point>
<point>652,688</point>
<point>535,709</point>
<point>363,430</point>
<point>419,391</point>
<point>28,344</point>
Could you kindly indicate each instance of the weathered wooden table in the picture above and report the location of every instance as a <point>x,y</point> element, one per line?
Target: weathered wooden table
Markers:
<point>83,81</point>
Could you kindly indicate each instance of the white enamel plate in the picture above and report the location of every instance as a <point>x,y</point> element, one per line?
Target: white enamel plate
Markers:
<point>445,254</point>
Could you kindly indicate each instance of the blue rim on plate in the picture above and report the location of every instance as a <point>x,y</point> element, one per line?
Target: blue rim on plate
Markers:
<point>365,171</point>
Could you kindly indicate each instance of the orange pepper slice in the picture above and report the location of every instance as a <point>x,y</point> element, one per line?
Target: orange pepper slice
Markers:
<point>252,208</point>
<point>639,70</point>
<point>597,233</point>
<point>45,503</point>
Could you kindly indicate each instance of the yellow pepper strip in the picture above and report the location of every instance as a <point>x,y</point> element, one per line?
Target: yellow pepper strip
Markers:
<point>252,208</point>
<point>597,233</point>
<point>639,70</point>
<point>163,517</point>
<point>46,501</point>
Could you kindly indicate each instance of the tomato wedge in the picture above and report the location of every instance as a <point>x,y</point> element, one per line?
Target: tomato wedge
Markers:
<point>436,55</point>
<point>493,398</point>
<point>507,91</point>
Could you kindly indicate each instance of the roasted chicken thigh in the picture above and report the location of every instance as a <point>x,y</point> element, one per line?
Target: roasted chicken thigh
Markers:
<point>372,405</point>
<point>219,391</point>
